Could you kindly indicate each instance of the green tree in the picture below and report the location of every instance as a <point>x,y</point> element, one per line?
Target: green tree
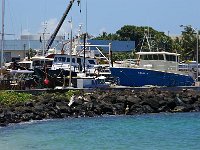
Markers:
<point>122,56</point>
<point>177,47</point>
<point>188,43</point>
<point>158,40</point>
<point>31,52</point>
<point>105,36</point>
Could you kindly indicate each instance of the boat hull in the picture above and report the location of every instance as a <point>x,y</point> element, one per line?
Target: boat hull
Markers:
<point>143,77</point>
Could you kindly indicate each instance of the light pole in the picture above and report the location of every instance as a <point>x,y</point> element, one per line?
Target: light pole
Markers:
<point>197,48</point>
<point>197,55</point>
<point>70,67</point>
<point>2,35</point>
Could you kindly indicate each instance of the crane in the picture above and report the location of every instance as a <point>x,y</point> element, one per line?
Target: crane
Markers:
<point>53,36</point>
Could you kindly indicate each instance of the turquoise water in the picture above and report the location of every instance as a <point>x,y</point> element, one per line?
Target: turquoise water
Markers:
<point>179,131</point>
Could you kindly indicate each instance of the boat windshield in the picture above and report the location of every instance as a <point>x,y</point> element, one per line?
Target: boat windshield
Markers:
<point>59,59</point>
<point>42,62</point>
<point>152,57</point>
<point>25,65</point>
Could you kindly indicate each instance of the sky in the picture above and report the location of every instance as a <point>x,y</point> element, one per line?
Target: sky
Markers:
<point>29,16</point>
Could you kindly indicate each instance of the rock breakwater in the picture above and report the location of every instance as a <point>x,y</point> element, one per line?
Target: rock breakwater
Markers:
<point>100,102</point>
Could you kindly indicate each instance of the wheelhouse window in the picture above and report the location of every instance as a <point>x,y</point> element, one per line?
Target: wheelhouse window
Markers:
<point>62,59</point>
<point>59,59</point>
<point>152,57</point>
<point>160,57</point>
<point>170,57</point>
<point>155,57</point>
<point>73,60</point>
<point>36,63</point>
<point>143,57</point>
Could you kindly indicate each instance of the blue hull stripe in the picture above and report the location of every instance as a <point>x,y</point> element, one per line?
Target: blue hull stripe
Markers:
<point>142,77</point>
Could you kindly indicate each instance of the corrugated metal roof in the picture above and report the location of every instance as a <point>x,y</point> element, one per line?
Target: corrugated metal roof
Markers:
<point>116,46</point>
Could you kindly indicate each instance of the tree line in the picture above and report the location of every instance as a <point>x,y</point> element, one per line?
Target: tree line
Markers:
<point>185,44</point>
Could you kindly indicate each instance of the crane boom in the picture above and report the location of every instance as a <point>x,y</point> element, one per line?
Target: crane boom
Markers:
<point>53,36</point>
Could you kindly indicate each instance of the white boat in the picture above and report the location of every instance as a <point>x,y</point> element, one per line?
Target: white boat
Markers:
<point>189,66</point>
<point>92,82</point>
<point>79,59</point>
<point>36,62</point>
<point>77,63</point>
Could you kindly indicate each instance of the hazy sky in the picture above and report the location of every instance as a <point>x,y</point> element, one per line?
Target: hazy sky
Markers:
<point>27,16</point>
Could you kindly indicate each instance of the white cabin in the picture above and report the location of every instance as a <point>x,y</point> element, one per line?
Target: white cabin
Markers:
<point>163,61</point>
<point>62,61</point>
<point>36,62</point>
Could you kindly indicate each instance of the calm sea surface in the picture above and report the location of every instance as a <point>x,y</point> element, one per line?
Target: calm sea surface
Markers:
<point>179,131</point>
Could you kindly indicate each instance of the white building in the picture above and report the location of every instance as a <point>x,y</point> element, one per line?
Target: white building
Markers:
<point>18,49</point>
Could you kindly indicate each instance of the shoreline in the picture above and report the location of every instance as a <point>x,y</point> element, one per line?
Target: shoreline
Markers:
<point>100,102</point>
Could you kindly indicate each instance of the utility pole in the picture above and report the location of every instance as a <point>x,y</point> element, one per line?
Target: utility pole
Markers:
<point>2,34</point>
<point>24,51</point>
<point>197,55</point>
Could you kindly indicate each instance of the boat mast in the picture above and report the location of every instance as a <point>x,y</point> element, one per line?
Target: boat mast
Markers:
<point>86,20</point>
<point>2,34</point>
<point>146,37</point>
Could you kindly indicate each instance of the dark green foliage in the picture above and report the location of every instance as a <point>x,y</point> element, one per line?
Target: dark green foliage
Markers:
<point>106,36</point>
<point>31,52</point>
<point>12,98</point>
<point>188,43</point>
<point>185,45</point>
<point>122,56</point>
<point>134,33</point>
<point>158,40</point>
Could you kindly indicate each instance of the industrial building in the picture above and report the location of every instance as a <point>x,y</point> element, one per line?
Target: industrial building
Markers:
<point>18,49</point>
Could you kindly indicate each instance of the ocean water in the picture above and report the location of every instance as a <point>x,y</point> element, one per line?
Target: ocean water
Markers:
<point>180,131</point>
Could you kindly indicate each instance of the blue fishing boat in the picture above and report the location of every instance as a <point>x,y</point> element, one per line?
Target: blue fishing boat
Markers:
<point>152,68</point>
